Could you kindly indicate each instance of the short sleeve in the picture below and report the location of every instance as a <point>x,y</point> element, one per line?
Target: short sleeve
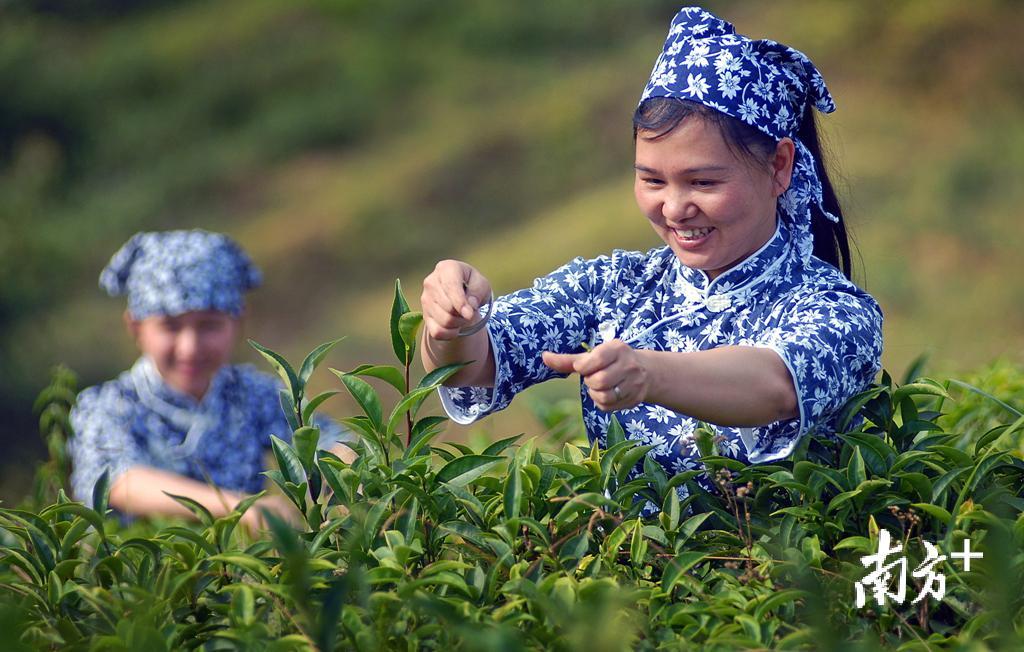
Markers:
<point>102,440</point>
<point>558,313</point>
<point>831,342</point>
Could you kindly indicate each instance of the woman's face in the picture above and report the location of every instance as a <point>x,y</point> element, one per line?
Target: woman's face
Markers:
<point>189,348</point>
<point>710,206</point>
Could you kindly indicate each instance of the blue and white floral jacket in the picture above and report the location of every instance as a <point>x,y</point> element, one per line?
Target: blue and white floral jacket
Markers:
<point>827,331</point>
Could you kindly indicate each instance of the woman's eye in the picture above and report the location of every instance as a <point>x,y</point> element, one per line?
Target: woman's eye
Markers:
<point>653,182</point>
<point>703,183</point>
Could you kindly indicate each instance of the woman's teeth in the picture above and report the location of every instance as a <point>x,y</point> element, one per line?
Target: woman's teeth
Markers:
<point>693,234</point>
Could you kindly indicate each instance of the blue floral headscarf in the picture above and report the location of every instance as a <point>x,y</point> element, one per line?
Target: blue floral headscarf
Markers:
<point>763,83</point>
<point>173,272</point>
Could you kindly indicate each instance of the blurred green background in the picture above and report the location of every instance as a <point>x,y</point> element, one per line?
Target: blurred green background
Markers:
<point>345,143</point>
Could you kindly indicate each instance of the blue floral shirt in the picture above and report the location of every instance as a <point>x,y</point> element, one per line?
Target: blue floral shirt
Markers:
<point>827,331</point>
<point>137,419</point>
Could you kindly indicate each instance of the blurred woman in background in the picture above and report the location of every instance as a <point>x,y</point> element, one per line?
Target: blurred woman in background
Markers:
<point>182,420</point>
<point>746,319</point>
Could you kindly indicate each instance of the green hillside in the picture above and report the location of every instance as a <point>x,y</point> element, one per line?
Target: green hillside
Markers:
<point>347,143</point>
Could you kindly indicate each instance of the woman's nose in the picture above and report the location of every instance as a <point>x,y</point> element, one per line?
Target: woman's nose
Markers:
<point>679,207</point>
<point>187,343</point>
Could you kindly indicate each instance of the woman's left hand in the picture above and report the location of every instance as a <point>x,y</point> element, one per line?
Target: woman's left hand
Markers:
<point>614,372</point>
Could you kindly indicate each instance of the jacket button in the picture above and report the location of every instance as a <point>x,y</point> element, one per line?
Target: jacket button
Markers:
<point>718,303</point>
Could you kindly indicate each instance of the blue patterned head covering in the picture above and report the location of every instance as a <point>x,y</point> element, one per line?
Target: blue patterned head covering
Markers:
<point>173,272</point>
<point>762,83</point>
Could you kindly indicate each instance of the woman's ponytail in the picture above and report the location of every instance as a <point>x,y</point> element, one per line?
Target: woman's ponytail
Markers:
<point>831,242</point>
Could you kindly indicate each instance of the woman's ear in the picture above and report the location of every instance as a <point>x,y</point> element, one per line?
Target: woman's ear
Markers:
<point>131,325</point>
<point>782,165</point>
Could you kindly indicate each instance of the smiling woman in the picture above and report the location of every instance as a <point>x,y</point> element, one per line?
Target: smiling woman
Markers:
<point>746,319</point>
<point>187,349</point>
<point>182,420</point>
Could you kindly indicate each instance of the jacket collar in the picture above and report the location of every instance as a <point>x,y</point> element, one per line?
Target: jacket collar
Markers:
<point>695,284</point>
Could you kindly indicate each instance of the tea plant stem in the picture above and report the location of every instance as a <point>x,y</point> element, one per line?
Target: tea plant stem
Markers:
<point>291,617</point>
<point>912,630</point>
<point>408,415</point>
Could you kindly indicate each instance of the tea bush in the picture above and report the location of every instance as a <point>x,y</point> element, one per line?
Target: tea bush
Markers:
<point>426,545</point>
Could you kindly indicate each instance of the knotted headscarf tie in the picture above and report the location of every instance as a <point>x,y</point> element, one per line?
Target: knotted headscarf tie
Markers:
<point>762,83</point>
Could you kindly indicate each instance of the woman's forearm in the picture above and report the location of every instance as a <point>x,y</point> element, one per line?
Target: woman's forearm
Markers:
<point>735,386</point>
<point>140,491</point>
<point>475,348</point>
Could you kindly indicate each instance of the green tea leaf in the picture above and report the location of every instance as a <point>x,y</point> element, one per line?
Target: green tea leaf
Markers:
<point>934,510</point>
<point>391,375</point>
<point>246,562</point>
<point>773,601</point>
<point>281,366</point>
<point>857,543</point>
<point>201,513</point>
<point>243,605</point>
<point>408,329</point>
<point>375,516</point>
<point>856,404</point>
<point>305,440</point>
<point>676,568</point>
<point>365,396</point>
<point>287,461</point>
<point>91,516</point>
<point>513,494</point>
<point>409,403</point>
<point>638,545</point>
<point>399,307</point>
<point>670,511</point>
<point>496,448</point>
<point>364,429</point>
<point>581,503</point>
<point>288,407</point>
<point>437,377</point>
<point>630,459</point>
<point>691,524</point>
<point>463,470</point>
<point>315,357</point>
<point>855,471</point>
<point>101,493</point>
<point>467,531</point>
<point>615,432</point>
<point>423,432</point>
<point>191,536</point>
<point>310,407</point>
<point>923,387</point>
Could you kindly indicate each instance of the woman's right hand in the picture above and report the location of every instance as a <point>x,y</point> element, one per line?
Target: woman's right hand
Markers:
<point>452,294</point>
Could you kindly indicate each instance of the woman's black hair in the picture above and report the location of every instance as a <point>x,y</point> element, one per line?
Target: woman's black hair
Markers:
<point>660,115</point>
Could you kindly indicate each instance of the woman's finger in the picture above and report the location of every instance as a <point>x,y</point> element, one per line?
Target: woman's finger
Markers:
<point>563,363</point>
<point>608,400</point>
<point>477,289</point>
<point>601,357</point>
<point>434,301</point>
<point>453,278</point>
